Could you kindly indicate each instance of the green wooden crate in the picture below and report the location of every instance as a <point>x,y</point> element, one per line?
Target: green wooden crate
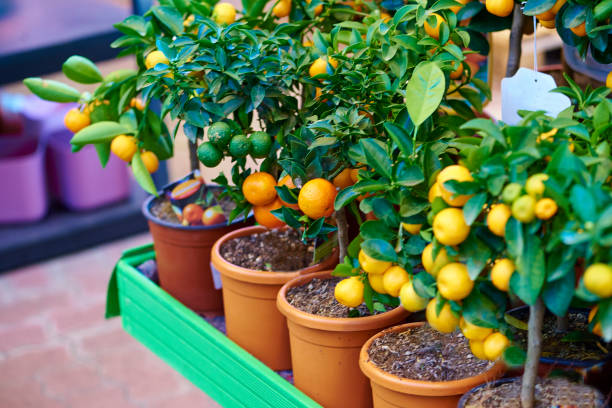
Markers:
<point>192,346</point>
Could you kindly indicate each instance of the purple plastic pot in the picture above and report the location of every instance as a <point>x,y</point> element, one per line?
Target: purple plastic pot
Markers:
<point>78,180</point>
<point>22,185</point>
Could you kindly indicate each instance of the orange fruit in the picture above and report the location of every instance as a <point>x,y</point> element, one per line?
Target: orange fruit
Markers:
<point>316,198</point>
<point>192,214</point>
<point>319,66</point>
<point>385,17</point>
<point>76,120</point>
<point>500,8</point>
<point>264,216</point>
<point>545,208</point>
<point>579,30</point>
<point>150,161</point>
<point>224,13</point>
<point>258,188</point>
<point>317,9</point>
<point>597,327</point>
<point>431,30</point>
<point>455,9</point>
<point>287,181</point>
<point>609,80</point>
<point>354,175</point>
<point>124,147</point>
<point>548,23</point>
<point>137,103</point>
<point>458,71</point>
<point>497,219</point>
<point>549,15</point>
<point>282,8</point>
<point>344,179</point>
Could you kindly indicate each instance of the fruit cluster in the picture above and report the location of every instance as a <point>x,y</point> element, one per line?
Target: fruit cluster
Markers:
<point>221,139</point>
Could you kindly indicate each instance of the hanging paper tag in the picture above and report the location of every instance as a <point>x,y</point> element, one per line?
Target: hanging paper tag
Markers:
<point>216,275</point>
<point>530,90</point>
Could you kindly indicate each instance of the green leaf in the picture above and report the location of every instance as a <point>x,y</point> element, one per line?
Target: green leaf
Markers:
<point>377,157</point>
<point>478,309</point>
<point>169,17</point>
<point>82,70</point>
<point>583,203</point>
<point>344,197</point>
<point>50,90</point>
<point>354,246</point>
<point>424,91</point>
<point>285,194</point>
<point>486,127</point>
<point>379,249</point>
<point>103,150</point>
<point>530,274</point>
<point>373,229</point>
<point>400,136</point>
<point>475,254</point>
<point>534,7</point>
<point>142,176</point>
<point>100,132</point>
<point>424,285</point>
<point>558,294</point>
<point>473,208</point>
<point>514,322</point>
<point>514,356</point>
<point>409,176</point>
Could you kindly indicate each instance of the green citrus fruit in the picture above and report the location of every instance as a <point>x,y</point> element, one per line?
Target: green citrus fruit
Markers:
<point>511,192</point>
<point>209,155</point>
<point>239,146</point>
<point>220,134</point>
<point>261,143</point>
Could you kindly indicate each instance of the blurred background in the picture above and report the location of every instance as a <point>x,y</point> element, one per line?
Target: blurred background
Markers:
<point>64,221</point>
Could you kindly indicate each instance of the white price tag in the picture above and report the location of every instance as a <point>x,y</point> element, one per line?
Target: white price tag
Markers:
<point>530,90</point>
<point>216,277</point>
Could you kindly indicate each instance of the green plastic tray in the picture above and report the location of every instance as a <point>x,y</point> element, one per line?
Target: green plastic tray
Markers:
<point>193,347</point>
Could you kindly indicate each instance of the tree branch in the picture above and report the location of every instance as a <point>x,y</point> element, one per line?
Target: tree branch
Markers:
<point>516,39</point>
<point>343,237</point>
<point>193,156</point>
<point>534,350</point>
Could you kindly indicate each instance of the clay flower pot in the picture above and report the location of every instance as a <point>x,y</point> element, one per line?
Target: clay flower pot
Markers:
<point>249,297</point>
<point>183,260</point>
<point>325,350</point>
<point>391,391</point>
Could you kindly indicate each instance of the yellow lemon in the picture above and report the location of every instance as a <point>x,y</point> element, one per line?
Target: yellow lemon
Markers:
<point>154,58</point>
<point>477,348</point>
<point>371,265</point>
<point>497,219</point>
<point>393,280</point>
<point>609,80</point>
<point>454,281</point>
<point>473,332</point>
<point>410,300</point>
<point>494,345</point>
<point>500,8</point>
<point>434,31</point>
<point>434,191</point>
<point>433,266</point>
<point>224,13</point>
<point>445,322</point>
<point>598,280</point>
<point>449,227</point>
<point>412,228</point>
<point>501,273</point>
<point>376,282</point>
<point>535,184</point>
<point>349,292</point>
<point>458,173</point>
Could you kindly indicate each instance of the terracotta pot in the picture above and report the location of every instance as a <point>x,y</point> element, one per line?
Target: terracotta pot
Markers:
<point>249,296</point>
<point>391,391</point>
<point>325,350</point>
<point>183,260</point>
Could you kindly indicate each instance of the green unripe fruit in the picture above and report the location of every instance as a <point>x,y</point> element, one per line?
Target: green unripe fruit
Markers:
<point>209,155</point>
<point>220,133</point>
<point>523,209</point>
<point>261,143</point>
<point>511,192</point>
<point>239,146</point>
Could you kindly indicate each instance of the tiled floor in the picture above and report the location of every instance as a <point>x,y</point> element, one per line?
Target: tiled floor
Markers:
<point>56,349</point>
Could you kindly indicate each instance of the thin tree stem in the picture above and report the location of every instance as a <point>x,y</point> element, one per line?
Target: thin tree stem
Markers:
<point>534,350</point>
<point>516,39</point>
<point>342,233</point>
<point>193,156</point>
<point>562,324</point>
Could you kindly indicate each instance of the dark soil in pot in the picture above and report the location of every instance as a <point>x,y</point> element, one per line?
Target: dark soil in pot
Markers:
<point>317,298</point>
<point>424,354</point>
<point>576,344</point>
<point>550,392</point>
<point>273,250</point>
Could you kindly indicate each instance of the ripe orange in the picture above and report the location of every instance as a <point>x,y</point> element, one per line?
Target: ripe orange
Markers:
<point>192,214</point>
<point>317,9</point>
<point>548,23</point>
<point>549,15</point>
<point>224,13</point>
<point>545,208</point>
<point>137,103</point>
<point>282,8</point>
<point>354,175</point>
<point>264,216</point>
<point>76,120</point>
<point>458,70</point>
<point>458,173</point>
<point>258,188</point>
<point>579,30</point>
<point>150,161</point>
<point>455,9</point>
<point>287,181</point>
<point>431,30</point>
<point>597,327</point>
<point>344,179</point>
<point>500,8</point>
<point>319,66</point>
<point>316,198</point>
<point>124,147</point>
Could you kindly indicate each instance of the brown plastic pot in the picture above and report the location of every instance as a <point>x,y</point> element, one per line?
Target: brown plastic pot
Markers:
<point>183,260</point>
<point>325,350</point>
<point>391,391</point>
<point>249,297</point>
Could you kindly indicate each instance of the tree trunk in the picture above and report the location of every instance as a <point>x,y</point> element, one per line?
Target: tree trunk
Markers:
<point>534,350</point>
<point>342,233</point>
<point>516,39</point>
<point>562,324</point>
<point>193,156</point>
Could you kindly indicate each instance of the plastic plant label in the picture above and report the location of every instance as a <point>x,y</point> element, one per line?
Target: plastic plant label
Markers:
<point>530,90</point>
<point>216,275</point>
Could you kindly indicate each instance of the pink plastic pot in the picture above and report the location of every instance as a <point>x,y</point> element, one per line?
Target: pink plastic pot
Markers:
<point>22,185</point>
<point>78,180</point>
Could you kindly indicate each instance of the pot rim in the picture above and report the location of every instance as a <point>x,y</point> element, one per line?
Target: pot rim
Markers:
<point>339,324</point>
<point>258,276</point>
<point>420,387</point>
<point>146,211</point>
